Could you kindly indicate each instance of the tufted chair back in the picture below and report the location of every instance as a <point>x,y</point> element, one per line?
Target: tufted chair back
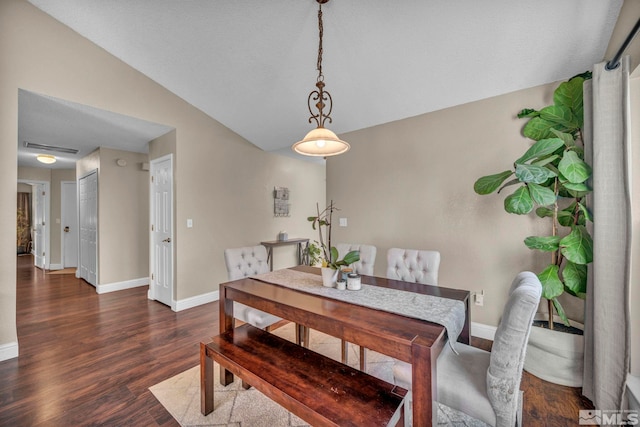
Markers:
<point>509,347</point>
<point>246,261</point>
<point>367,257</point>
<point>413,265</point>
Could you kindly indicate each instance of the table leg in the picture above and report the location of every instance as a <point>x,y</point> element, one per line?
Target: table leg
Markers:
<point>270,257</point>
<point>206,381</point>
<point>226,324</point>
<point>424,385</point>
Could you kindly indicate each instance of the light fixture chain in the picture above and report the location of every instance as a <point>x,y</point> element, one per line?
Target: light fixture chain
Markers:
<point>320,31</point>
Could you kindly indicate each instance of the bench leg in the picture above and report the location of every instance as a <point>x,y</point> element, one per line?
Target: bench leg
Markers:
<point>345,352</point>
<point>363,359</point>
<point>206,381</point>
<point>302,335</point>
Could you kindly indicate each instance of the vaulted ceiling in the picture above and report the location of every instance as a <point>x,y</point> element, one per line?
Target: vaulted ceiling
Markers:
<point>251,64</point>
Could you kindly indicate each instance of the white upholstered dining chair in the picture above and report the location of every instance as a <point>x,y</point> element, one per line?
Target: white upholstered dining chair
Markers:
<point>364,266</point>
<point>367,257</point>
<point>412,265</point>
<point>244,262</point>
<point>483,385</point>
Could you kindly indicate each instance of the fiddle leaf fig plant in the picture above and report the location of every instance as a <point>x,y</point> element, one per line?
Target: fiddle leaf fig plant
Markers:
<point>330,253</point>
<point>552,176</point>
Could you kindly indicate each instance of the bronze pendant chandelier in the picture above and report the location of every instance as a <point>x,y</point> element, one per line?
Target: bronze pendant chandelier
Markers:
<point>321,141</point>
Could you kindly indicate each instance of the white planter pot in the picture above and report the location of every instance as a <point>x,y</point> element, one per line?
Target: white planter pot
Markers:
<point>557,357</point>
<point>329,277</point>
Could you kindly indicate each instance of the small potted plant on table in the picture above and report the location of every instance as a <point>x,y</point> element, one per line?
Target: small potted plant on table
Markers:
<point>330,261</point>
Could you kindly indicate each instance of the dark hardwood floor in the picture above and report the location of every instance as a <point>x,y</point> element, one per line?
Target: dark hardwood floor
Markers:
<point>88,359</point>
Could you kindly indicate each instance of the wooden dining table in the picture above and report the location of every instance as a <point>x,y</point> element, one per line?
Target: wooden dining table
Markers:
<point>409,339</point>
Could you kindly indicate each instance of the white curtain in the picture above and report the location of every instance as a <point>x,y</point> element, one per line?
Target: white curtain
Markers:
<point>607,136</point>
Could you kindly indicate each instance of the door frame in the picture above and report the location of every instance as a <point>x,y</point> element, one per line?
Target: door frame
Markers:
<point>63,211</point>
<point>152,265</point>
<point>47,219</point>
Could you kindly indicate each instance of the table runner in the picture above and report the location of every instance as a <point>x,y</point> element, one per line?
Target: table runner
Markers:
<point>443,311</point>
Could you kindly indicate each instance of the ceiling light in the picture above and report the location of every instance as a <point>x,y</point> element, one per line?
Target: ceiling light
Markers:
<point>320,141</point>
<point>46,158</point>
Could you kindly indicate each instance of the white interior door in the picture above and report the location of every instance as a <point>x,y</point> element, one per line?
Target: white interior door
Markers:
<point>88,219</point>
<point>161,287</point>
<point>69,214</point>
<point>39,225</point>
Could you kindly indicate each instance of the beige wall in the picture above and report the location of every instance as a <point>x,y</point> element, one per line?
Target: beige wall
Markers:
<point>123,212</point>
<point>409,184</point>
<point>222,182</point>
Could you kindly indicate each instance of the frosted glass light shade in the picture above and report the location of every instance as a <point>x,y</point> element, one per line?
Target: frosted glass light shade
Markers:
<point>321,142</point>
<point>46,158</point>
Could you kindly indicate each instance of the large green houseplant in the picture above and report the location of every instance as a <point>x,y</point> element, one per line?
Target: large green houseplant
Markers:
<point>553,175</point>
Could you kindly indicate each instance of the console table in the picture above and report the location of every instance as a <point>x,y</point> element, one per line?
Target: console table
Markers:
<point>302,246</point>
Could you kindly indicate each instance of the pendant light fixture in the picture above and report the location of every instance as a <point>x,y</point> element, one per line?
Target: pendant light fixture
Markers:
<point>321,141</point>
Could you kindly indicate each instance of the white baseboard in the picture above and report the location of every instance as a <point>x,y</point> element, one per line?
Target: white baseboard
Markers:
<point>119,286</point>
<point>55,267</point>
<point>191,302</point>
<point>480,330</point>
<point>8,351</point>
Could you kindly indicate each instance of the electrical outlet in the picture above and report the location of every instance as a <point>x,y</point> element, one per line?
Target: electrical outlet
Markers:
<point>479,298</point>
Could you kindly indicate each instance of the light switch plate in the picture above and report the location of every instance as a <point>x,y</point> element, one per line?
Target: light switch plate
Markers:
<point>343,222</point>
<point>189,223</point>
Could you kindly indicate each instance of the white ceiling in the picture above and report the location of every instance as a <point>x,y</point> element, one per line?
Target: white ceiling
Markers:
<point>250,64</point>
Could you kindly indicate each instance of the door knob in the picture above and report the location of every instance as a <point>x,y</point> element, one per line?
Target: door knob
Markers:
<point>66,229</point>
<point>167,240</point>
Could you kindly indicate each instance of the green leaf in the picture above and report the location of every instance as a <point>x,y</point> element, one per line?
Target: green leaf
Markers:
<point>569,93</point>
<point>488,184</point>
<point>538,128</point>
<point>509,183</point>
<point>565,218</point>
<point>544,212</point>
<point>577,246</point>
<point>574,169</point>
<point>334,254</point>
<point>586,212</point>
<point>560,310</point>
<point>541,148</point>
<point>567,138</point>
<point>528,112</point>
<point>519,202</point>
<point>534,174</point>
<point>580,187</point>
<point>351,257</point>
<point>543,243</point>
<point>575,279</point>
<point>543,196</point>
<point>560,115</point>
<point>552,287</point>
<point>546,160</point>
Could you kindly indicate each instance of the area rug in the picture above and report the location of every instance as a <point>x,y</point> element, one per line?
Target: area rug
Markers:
<point>236,407</point>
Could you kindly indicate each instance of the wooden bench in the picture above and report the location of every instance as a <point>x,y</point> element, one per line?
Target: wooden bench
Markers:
<point>320,390</point>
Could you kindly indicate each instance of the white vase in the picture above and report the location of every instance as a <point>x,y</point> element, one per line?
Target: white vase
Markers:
<point>329,277</point>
